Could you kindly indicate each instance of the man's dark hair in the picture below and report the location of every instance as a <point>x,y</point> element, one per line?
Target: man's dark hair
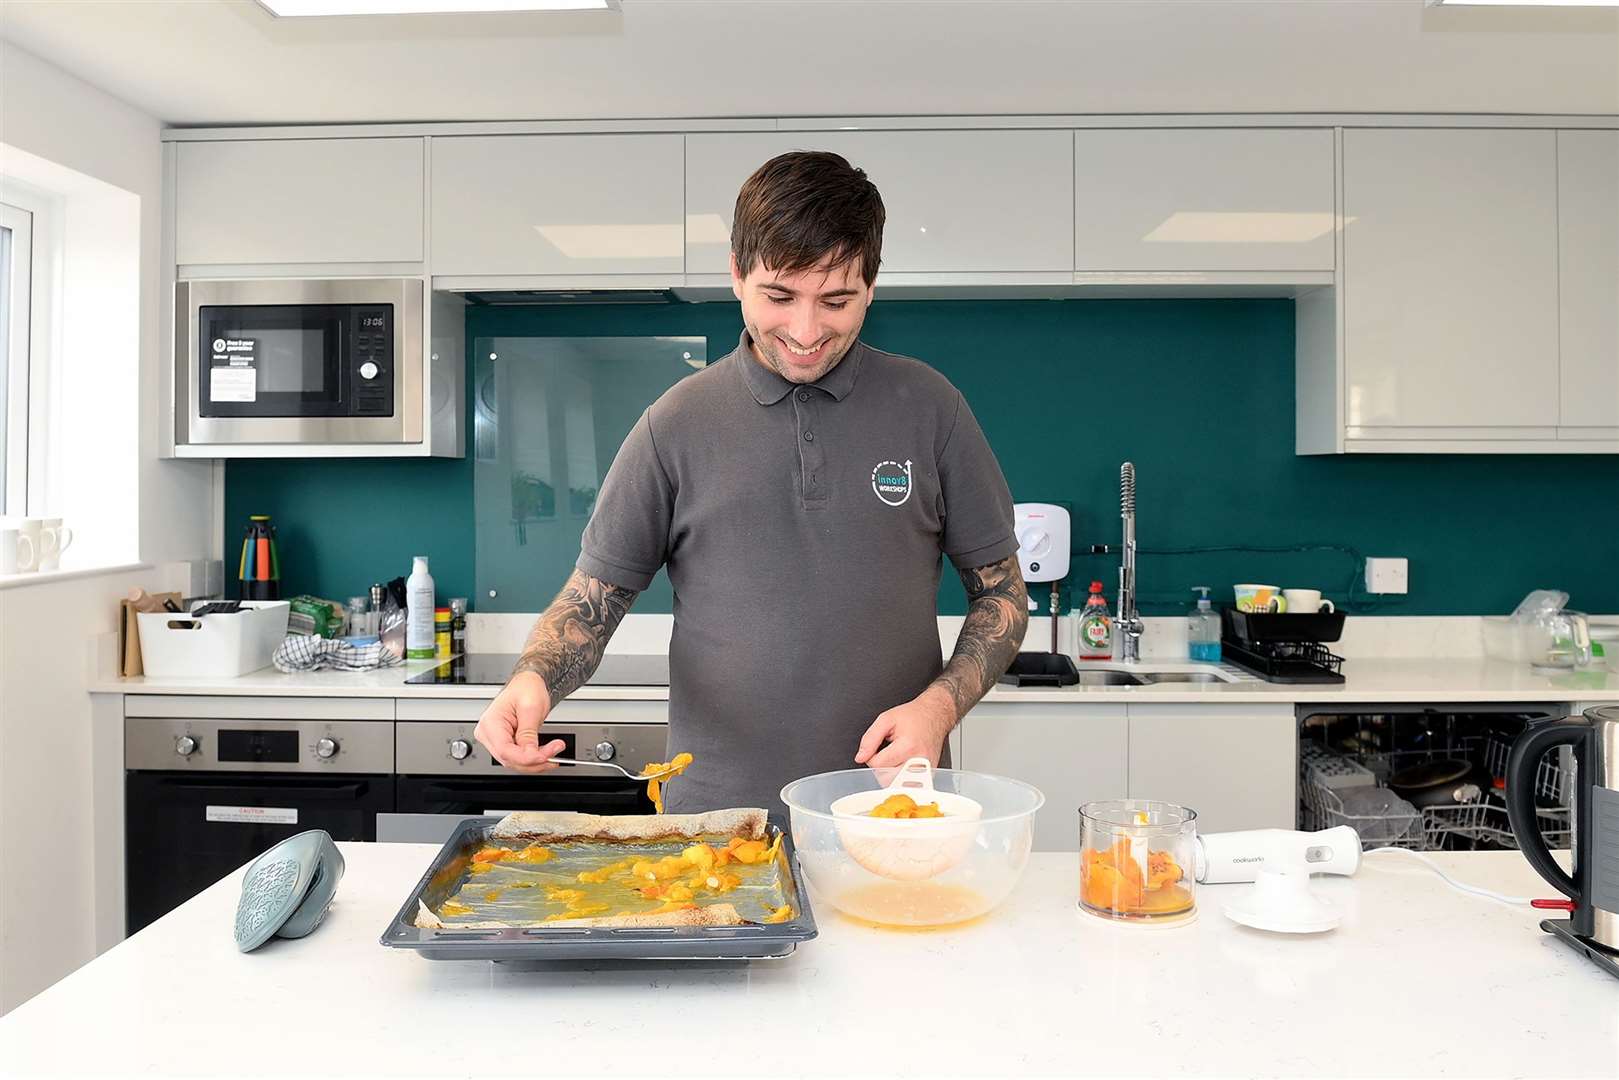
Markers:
<point>801,207</point>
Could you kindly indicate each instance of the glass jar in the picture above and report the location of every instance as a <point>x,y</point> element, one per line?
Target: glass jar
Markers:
<point>1137,860</point>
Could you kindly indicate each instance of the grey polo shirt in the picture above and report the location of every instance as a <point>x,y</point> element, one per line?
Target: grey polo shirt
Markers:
<point>802,527</point>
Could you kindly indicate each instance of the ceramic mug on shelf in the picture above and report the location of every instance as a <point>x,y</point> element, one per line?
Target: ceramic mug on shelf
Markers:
<point>1306,602</point>
<point>17,550</point>
<point>54,539</point>
<point>30,543</point>
<point>1260,598</point>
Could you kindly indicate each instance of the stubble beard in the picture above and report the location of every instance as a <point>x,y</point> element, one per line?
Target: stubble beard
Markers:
<point>768,349</point>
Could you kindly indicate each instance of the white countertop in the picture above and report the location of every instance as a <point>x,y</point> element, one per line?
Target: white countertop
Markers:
<point>1419,981</point>
<point>1366,680</point>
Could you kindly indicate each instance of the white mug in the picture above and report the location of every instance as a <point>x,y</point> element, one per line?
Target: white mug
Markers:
<point>54,539</point>
<point>1306,601</point>
<point>16,552</point>
<point>30,544</point>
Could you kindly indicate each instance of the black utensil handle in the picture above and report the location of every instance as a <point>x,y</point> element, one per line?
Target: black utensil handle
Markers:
<point>1522,764</point>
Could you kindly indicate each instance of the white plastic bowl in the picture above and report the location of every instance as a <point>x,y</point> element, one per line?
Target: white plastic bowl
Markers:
<point>985,856</point>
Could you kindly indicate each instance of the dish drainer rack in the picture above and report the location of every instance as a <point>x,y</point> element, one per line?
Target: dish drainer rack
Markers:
<point>1478,825</point>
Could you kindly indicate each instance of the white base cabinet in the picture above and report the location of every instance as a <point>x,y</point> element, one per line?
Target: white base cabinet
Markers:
<point>1236,765</point>
<point>1072,753</point>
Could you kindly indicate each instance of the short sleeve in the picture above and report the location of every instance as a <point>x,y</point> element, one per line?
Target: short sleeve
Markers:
<point>977,503</point>
<point>627,539</point>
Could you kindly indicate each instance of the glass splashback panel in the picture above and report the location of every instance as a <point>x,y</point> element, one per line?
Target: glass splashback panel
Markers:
<point>549,414</point>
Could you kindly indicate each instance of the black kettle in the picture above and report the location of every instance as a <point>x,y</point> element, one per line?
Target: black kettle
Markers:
<point>1593,888</point>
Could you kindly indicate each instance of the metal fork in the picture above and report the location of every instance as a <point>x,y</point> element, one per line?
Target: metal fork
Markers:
<point>611,765</point>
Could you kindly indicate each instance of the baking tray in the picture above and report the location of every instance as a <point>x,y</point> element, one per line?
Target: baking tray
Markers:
<point>752,942</point>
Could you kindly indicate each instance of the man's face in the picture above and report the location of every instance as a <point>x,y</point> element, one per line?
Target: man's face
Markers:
<point>802,324</point>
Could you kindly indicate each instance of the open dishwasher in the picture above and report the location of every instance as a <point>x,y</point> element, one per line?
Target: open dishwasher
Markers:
<point>1426,777</point>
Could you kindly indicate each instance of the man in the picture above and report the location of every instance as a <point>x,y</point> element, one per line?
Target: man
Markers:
<point>800,492</point>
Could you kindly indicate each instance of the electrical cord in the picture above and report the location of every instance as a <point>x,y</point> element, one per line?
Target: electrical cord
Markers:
<point>1517,901</point>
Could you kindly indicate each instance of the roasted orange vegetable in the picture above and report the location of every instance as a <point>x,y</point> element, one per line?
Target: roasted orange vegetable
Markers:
<point>1111,879</point>
<point>903,806</point>
<point>654,788</point>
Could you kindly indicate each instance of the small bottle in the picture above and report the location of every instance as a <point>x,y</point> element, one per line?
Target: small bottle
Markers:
<point>1203,630</point>
<point>441,633</point>
<point>419,611</point>
<point>373,618</point>
<point>458,626</point>
<point>1096,627</point>
<point>357,617</point>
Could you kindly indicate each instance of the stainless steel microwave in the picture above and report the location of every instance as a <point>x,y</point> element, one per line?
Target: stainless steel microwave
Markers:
<point>286,362</point>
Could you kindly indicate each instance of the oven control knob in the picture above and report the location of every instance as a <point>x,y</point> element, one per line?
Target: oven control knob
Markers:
<point>460,749</point>
<point>368,370</point>
<point>606,751</point>
<point>326,747</point>
<point>185,746</point>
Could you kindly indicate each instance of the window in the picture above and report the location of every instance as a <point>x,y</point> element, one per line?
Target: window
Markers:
<point>16,286</point>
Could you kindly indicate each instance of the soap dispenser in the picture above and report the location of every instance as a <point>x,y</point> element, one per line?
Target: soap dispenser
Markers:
<point>1203,630</point>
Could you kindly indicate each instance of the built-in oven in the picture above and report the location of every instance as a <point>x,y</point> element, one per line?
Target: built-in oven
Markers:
<point>203,797</point>
<point>297,361</point>
<point>446,775</point>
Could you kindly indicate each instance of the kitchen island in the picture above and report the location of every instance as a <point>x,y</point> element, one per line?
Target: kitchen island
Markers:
<point>1418,981</point>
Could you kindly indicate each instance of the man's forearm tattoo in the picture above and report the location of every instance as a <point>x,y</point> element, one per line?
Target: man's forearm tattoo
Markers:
<point>568,638</point>
<point>997,613</point>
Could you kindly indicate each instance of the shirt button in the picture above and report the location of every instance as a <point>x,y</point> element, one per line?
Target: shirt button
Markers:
<point>803,395</point>
<point>809,436</point>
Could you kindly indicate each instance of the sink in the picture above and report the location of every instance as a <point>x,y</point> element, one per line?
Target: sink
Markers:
<point>1111,678</point>
<point>1182,677</point>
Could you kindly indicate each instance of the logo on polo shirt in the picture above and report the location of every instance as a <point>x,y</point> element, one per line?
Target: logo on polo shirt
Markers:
<point>892,482</point>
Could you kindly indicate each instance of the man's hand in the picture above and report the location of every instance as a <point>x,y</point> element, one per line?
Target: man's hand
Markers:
<point>510,727</point>
<point>917,728</point>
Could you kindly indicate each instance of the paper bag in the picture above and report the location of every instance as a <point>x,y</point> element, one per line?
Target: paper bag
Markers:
<point>129,631</point>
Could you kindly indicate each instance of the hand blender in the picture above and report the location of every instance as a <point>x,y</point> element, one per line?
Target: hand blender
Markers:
<point>1223,858</point>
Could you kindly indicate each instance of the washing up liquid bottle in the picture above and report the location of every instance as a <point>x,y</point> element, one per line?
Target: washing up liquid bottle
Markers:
<point>1203,630</point>
<point>1096,627</point>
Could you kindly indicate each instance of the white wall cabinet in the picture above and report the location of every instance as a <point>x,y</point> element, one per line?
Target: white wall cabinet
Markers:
<point>1588,279</point>
<point>958,202</point>
<point>1214,199</point>
<point>1236,765</point>
<point>557,205</point>
<point>1072,753</point>
<point>1450,283</point>
<point>299,201</point>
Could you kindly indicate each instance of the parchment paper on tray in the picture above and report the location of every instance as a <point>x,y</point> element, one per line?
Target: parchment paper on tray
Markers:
<point>585,870</point>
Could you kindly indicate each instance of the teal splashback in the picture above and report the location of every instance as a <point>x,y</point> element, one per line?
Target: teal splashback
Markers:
<point>1198,393</point>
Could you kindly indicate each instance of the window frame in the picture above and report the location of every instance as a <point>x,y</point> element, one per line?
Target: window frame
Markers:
<point>19,279</point>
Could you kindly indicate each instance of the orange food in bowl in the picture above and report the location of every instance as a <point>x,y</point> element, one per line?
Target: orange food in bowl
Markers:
<point>903,806</point>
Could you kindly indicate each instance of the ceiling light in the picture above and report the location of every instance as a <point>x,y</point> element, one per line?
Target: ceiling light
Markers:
<point>309,8</point>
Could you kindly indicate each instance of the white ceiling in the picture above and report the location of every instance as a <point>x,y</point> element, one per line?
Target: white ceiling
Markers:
<point>230,62</point>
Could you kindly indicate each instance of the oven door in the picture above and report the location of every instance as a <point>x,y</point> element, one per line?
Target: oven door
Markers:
<point>430,807</point>
<point>186,830</point>
<point>298,362</point>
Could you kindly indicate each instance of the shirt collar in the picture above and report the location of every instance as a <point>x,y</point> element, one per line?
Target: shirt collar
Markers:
<point>768,388</point>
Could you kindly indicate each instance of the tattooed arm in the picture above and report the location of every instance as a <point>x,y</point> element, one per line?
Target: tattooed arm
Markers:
<point>997,613</point>
<point>566,645</point>
<point>563,650</point>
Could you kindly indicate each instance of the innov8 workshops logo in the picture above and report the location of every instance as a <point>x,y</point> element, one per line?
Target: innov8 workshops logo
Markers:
<point>892,482</point>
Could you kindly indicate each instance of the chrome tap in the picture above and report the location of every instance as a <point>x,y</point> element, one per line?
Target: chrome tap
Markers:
<point>1128,626</point>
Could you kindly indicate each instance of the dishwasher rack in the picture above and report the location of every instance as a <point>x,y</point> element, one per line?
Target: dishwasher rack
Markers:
<point>1326,773</point>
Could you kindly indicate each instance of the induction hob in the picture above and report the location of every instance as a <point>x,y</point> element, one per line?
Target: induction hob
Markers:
<point>493,669</point>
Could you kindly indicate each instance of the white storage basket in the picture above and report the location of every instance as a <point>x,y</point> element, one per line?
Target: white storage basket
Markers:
<point>219,646</point>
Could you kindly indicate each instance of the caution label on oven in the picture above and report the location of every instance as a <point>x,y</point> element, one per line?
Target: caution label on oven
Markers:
<point>268,815</point>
